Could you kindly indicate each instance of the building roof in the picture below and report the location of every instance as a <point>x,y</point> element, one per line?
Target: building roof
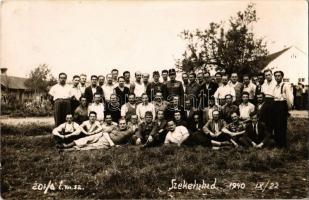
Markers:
<point>269,58</point>
<point>13,82</point>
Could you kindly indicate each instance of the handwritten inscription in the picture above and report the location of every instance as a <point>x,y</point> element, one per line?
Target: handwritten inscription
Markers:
<point>53,186</point>
<point>235,185</point>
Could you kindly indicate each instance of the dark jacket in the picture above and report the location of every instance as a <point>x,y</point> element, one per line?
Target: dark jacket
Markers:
<point>262,136</point>
<point>205,94</point>
<point>89,95</point>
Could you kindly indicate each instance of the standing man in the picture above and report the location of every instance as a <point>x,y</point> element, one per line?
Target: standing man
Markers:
<point>83,79</point>
<point>200,78</point>
<point>138,88</point>
<point>283,101</point>
<point>185,80</point>
<point>61,95</point>
<point>145,77</point>
<point>75,92</point>
<point>218,78</point>
<point>193,90</point>
<point>121,91</point>
<point>268,90</point>
<point>108,88</point>
<point>164,74</point>
<point>174,87</point>
<point>260,82</point>
<point>155,86</point>
<point>223,90</point>
<point>101,80</point>
<point>249,87</point>
<point>262,112</point>
<point>208,89</point>
<point>115,73</point>
<point>238,86</point>
<point>127,82</point>
<point>92,89</point>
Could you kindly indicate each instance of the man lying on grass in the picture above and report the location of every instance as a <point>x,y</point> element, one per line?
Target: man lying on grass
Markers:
<point>120,135</point>
<point>67,132</point>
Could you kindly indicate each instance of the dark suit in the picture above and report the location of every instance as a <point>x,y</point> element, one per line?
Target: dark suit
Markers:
<point>207,92</point>
<point>153,88</point>
<point>89,95</point>
<point>169,112</point>
<point>263,115</point>
<point>263,134</point>
<point>162,130</point>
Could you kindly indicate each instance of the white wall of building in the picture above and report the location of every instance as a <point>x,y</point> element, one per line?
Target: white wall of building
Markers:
<point>294,64</point>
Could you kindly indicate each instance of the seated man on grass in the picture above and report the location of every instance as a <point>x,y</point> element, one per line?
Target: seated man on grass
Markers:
<point>257,132</point>
<point>213,129</point>
<point>236,130</point>
<point>67,132</point>
<point>103,140</point>
<point>91,126</point>
<point>147,133</point>
<point>176,135</point>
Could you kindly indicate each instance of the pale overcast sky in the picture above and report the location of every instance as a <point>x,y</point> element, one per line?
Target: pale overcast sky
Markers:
<point>95,36</point>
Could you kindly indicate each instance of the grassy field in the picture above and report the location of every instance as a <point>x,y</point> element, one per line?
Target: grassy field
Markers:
<point>28,162</point>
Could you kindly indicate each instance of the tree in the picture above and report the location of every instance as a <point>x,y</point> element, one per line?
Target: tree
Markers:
<point>235,49</point>
<point>40,79</point>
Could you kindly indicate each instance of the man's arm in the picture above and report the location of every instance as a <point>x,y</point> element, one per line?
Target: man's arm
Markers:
<point>123,110</point>
<point>108,138</point>
<point>82,126</point>
<point>57,130</point>
<point>206,128</point>
<point>185,135</point>
<point>76,132</point>
<point>167,138</point>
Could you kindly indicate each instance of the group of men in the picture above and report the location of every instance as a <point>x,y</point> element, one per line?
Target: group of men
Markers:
<point>199,110</point>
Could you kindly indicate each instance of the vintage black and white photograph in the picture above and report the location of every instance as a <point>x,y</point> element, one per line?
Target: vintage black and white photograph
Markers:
<point>155,99</point>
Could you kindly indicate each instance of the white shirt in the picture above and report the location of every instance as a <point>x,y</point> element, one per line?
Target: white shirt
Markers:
<point>268,88</point>
<point>124,109</point>
<point>60,92</point>
<point>245,110</point>
<point>224,90</point>
<point>67,128</point>
<point>141,109</point>
<point>139,89</point>
<point>99,109</point>
<point>76,92</point>
<point>177,135</point>
<point>108,91</point>
<point>82,88</point>
<point>250,88</point>
<point>286,95</point>
<point>91,127</point>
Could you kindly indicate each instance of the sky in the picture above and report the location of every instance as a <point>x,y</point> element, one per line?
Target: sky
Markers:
<point>94,37</point>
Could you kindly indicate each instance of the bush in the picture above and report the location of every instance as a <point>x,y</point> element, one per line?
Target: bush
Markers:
<point>30,109</point>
